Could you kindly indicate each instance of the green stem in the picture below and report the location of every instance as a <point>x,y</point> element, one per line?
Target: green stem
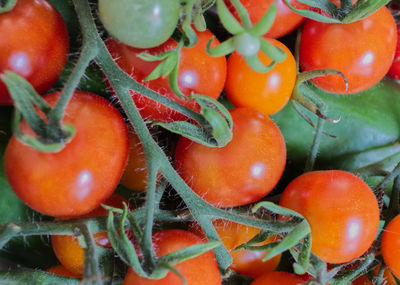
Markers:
<point>23,277</point>
<point>8,6</point>
<point>315,145</point>
<point>91,271</point>
<point>394,206</point>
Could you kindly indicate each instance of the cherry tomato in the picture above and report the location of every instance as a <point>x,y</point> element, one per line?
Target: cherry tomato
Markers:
<point>62,271</point>
<point>394,71</point>
<point>243,171</point>
<point>265,92</point>
<point>67,248</point>
<point>139,23</point>
<point>390,246</point>
<point>285,21</point>
<point>33,43</point>
<point>364,60</point>
<point>232,235</point>
<point>200,270</point>
<point>75,180</point>
<point>341,209</point>
<point>277,278</point>
<point>198,73</point>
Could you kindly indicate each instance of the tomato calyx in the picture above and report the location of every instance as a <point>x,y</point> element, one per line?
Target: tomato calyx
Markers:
<point>7,6</point>
<point>247,39</point>
<point>328,12</point>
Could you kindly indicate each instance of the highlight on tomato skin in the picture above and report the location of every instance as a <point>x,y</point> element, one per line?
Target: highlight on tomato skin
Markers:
<point>341,209</point>
<point>266,92</point>
<point>77,179</point>
<point>67,248</point>
<point>242,172</point>
<point>390,246</point>
<point>232,235</point>
<point>198,72</point>
<point>34,43</point>
<point>200,270</point>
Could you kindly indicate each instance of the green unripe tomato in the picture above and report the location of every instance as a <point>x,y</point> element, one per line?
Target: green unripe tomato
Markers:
<point>140,23</point>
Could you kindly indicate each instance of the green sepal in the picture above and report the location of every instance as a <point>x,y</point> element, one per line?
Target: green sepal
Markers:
<point>263,26</point>
<point>276,209</point>
<point>227,19</point>
<point>254,62</point>
<point>222,49</point>
<point>243,14</point>
<point>325,5</point>
<point>311,14</point>
<point>8,6</point>
<point>363,9</point>
<point>275,53</point>
<point>169,61</point>
<point>190,36</point>
<point>258,238</point>
<point>199,22</point>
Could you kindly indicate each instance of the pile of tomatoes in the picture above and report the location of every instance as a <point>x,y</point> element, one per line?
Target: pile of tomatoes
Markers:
<point>76,157</point>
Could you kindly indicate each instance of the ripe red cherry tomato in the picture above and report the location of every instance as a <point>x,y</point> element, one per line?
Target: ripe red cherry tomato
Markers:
<point>198,73</point>
<point>285,21</point>
<point>33,43</point>
<point>390,246</point>
<point>232,235</point>
<point>200,270</point>
<point>67,248</point>
<point>243,171</point>
<point>275,278</point>
<point>341,209</point>
<point>394,71</point>
<point>75,180</point>
<point>364,60</point>
<point>265,92</point>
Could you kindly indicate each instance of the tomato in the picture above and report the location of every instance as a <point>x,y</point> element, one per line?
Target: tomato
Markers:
<point>243,171</point>
<point>390,246</point>
<point>75,180</point>
<point>62,271</point>
<point>138,23</point>
<point>198,72</point>
<point>364,60</point>
<point>232,235</point>
<point>33,43</point>
<point>265,92</point>
<point>135,174</point>
<point>67,248</point>
<point>341,209</point>
<point>394,71</point>
<point>387,278</point>
<point>285,21</point>
<point>277,278</point>
<point>200,270</point>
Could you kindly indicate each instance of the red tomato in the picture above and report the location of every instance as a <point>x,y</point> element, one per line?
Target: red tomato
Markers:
<point>278,278</point>
<point>243,171</point>
<point>232,235</point>
<point>198,73</point>
<point>62,271</point>
<point>341,209</point>
<point>200,270</point>
<point>34,44</point>
<point>391,246</point>
<point>67,248</point>
<point>362,50</point>
<point>75,180</point>
<point>265,92</point>
<point>394,71</point>
<point>285,22</point>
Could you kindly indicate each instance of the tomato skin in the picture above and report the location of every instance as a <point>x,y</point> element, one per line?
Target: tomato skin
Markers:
<point>75,180</point>
<point>200,270</point>
<point>364,60</point>
<point>390,246</point>
<point>285,21</point>
<point>232,235</point>
<point>67,248</point>
<point>341,209</point>
<point>34,44</point>
<point>198,72</point>
<point>62,271</point>
<point>394,71</point>
<point>243,171</point>
<point>265,92</point>
<point>277,278</point>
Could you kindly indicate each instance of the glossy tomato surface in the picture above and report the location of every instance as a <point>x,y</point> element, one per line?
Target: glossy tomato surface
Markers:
<point>285,21</point>
<point>362,50</point>
<point>243,171</point>
<point>390,246</point>
<point>200,270</point>
<point>33,43</point>
<point>198,72</point>
<point>341,209</point>
<point>265,92</point>
<point>75,180</point>
<point>232,235</point>
<point>278,278</point>
<point>394,71</point>
<point>67,248</point>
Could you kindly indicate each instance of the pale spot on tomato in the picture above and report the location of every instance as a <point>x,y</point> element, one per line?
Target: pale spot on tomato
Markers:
<point>257,170</point>
<point>274,81</point>
<point>20,63</point>
<point>188,79</point>
<point>367,58</point>
<point>84,184</point>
